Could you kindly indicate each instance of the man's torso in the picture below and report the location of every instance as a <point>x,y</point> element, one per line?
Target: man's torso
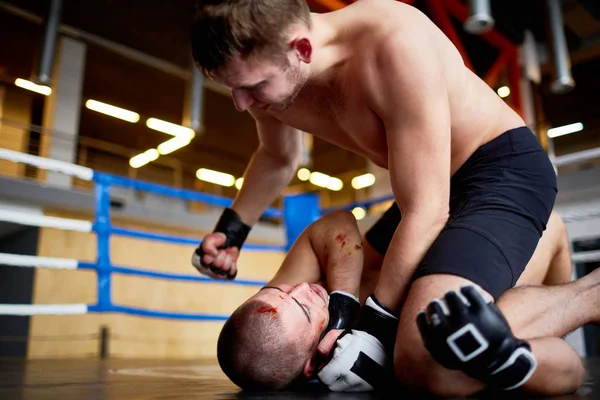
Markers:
<point>339,112</point>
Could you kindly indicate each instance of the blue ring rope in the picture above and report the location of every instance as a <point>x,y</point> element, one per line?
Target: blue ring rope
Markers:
<point>164,190</point>
<point>170,275</point>
<point>182,239</point>
<point>113,308</point>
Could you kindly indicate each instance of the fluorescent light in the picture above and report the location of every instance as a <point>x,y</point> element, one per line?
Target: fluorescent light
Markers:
<point>363,181</point>
<point>113,111</point>
<point>326,181</point>
<point>239,182</point>
<point>565,130</point>
<point>503,91</point>
<point>303,174</point>
<point>319,179</point>
<point>168,128</point>
<point>218,178</point>
<point>359,212</point>
<point>143,158</point>
<point>25,84</point>
<point>174,144</point>
<point>335,184</point>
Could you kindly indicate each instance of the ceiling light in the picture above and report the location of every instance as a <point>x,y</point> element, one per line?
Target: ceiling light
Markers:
<point>359,213</point>
<point>239,182</point>
<point>144,158</point>
<point>25,84</point>
<point>326,181</point>
<point>565,130</point>
<point>174,144</point>
<point>303,174</point>
<point>168,128</point>
<point>503,91</point>
<point>218,178</point>
<point>363,181</point>
<point>112,111</point>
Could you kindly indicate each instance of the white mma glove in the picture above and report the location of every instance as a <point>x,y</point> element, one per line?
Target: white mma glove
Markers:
<point>351,368</point>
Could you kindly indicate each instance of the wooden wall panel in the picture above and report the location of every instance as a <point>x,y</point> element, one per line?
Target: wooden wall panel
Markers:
<point>134,336</point>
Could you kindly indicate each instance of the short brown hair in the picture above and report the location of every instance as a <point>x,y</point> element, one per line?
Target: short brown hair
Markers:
<point>254,352</point>
<point>223,29</point>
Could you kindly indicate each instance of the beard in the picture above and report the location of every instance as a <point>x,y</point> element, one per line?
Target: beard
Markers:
<point>296,80</point>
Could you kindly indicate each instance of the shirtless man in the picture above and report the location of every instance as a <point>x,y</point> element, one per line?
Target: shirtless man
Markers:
<point>379,78</point>
<point>273,340</point>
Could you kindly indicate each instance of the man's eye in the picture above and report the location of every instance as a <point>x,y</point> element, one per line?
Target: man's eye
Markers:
<point>306,308</point>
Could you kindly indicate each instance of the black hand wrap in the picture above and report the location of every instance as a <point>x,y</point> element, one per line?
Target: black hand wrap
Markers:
<point>466,333</point>
<point>374,320</point>
<point>235,232</point>
<point>343,310</point>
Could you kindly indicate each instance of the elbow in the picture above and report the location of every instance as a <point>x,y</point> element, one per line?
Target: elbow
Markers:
<point>433,215</point>
<point>286,160</point>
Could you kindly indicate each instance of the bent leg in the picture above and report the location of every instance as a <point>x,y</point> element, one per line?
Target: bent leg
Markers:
<point>559,370</point>
<point>533,313</point>
<point>551,262</point>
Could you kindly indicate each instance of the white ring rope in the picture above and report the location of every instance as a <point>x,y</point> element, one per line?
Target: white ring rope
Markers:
<point>43,309</point>
<point>49,164</point>
<point>18,260</point>
<point>45,221</point>
<point>586,256</point>
<point>581,214</point>
<point>577,157</point>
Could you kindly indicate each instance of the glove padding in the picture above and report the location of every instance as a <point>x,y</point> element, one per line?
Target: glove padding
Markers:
<point>361,357</point>
<point>465,332</point>
<point>343,310</point>
<point>235,231</point>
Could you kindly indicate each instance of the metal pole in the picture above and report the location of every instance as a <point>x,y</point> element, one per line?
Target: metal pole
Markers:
<point>563,81</point>
<point>480,18</point>
<point>49,42</point>
<point>196,100</point>
<point>104,342</point>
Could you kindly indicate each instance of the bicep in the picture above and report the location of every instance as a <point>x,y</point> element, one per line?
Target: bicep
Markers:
<point>416,116</point>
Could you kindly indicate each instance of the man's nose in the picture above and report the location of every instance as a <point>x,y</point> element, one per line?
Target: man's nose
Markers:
<point>301,288</point>
<point>242,99</point>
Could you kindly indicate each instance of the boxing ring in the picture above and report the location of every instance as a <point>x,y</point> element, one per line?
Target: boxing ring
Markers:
<point>123,378</point>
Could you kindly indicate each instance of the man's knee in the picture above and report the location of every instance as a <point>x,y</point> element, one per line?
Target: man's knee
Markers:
<point>418,371</point>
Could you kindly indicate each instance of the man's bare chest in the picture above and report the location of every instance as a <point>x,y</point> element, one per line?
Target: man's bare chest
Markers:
<point>341,117</point>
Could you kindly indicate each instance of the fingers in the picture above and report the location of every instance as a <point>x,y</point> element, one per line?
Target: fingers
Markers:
<point>211,243</point>
<point>327,344</point>
<point>422,324</point>
<point>437,313</point>
<point>474,295</point>
<point>456,302</point>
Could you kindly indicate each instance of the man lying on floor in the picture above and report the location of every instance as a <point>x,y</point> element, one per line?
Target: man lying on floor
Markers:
<point>292,330</point>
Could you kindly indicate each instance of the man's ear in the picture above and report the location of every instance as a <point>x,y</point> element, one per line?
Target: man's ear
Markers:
<point>303,48</point>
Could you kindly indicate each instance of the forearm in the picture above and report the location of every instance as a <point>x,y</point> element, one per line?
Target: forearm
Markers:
<point>265,178</point>
<point>414,235</point>
<point>336,241</point>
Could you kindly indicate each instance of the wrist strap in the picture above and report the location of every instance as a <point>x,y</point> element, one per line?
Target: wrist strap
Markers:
<point>234,229</point>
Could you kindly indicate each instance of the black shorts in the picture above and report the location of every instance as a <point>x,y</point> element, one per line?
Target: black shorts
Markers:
<point>500,203</point>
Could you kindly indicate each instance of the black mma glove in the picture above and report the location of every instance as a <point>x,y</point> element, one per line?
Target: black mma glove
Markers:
<point>465,332</point>
<point>343,310</point>
<point>362,357</point>
<point>235,232</point>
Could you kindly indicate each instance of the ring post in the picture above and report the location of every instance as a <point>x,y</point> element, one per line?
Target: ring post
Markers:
<point>102,229</point>
<point>299,211</point>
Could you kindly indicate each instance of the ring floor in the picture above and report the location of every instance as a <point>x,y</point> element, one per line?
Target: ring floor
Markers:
<point>145,379</point>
